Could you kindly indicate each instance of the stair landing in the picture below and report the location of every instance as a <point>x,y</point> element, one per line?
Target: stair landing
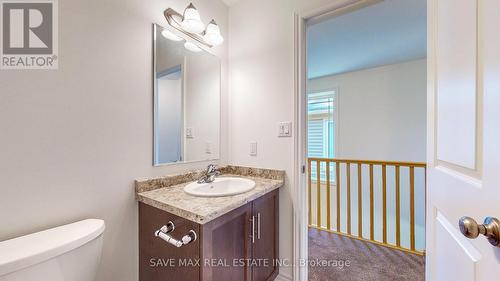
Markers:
<point>367,261</point>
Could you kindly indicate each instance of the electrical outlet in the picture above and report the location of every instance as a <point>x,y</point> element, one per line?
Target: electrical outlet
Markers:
<point>285,129</point>
<point>253,148</point>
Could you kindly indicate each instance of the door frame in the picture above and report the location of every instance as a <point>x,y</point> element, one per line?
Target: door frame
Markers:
<point>299,190</point>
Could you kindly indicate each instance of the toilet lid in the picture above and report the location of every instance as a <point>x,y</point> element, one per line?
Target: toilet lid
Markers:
<point>25,251</point>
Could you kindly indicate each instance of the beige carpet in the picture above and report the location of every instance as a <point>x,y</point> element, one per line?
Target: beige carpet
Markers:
<point>355,260</point>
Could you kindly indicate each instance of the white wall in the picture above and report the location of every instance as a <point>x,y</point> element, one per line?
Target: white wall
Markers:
<point>73,140</point>
<point>381,111</point>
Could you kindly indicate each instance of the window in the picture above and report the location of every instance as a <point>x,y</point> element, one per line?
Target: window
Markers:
<point>321,126</point>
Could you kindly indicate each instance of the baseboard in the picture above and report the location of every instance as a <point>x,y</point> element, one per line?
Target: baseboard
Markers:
<point>283,277</point>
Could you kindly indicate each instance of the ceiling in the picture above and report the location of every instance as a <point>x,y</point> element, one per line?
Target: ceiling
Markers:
<point>388,32</point>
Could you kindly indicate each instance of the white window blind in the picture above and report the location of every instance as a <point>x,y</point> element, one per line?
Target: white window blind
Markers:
<point>315,138</point>
<point>321,129</point>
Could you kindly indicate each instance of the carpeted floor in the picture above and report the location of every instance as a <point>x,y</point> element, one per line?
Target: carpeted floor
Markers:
<point>355,260</point>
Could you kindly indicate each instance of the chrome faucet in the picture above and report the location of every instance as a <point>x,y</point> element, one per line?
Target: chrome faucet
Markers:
<point>210,174</point>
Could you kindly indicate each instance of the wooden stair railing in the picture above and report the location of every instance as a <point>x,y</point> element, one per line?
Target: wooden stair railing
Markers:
<point>322,177</point>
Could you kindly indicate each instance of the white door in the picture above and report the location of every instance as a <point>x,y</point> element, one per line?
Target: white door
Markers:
<point>463,137</point>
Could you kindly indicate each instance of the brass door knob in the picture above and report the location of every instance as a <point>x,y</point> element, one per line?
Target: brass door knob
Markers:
<point>490,228</point>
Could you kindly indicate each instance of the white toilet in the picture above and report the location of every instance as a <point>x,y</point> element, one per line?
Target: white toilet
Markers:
<point>66,253</point>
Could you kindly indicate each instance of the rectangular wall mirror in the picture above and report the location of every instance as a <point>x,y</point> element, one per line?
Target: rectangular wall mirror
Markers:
<point>186,102</point>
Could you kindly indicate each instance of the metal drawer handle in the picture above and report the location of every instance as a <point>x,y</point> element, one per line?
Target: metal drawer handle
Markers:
<point>258,226</point>
<point>253,229</point>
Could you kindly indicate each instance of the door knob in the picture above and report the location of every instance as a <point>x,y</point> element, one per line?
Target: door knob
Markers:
<point>490,228</point>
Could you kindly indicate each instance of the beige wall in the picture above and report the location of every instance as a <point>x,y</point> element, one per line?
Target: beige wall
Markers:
<point>73,140</point>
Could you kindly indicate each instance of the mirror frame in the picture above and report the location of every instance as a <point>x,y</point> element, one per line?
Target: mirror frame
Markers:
<point>155,98</point>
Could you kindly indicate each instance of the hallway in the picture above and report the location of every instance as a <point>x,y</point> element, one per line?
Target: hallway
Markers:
<point>363,261</point>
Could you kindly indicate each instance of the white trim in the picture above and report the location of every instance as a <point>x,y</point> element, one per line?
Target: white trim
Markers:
<point>301,19</point>
<point>299,202</point>
<point>431,212</point>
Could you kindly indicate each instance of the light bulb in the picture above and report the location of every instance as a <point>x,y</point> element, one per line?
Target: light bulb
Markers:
<point>212,34</point>
<point>170,35</point>
<point>191,20</point>
<point>192,47</point>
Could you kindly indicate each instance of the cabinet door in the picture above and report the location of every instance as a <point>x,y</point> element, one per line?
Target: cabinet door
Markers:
<point>159,260</point>
<point>265,247</point>
<point>226,246</point>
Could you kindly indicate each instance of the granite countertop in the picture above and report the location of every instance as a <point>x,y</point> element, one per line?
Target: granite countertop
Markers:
<point>167,193</point>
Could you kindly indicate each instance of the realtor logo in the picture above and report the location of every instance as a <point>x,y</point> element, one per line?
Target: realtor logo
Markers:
<point>29,34</point>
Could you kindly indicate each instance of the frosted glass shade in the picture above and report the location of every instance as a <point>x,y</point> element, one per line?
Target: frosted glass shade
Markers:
<point>212,34</point>
<point>170,35</point>
<point>191,21</point>
<point>192,47</point>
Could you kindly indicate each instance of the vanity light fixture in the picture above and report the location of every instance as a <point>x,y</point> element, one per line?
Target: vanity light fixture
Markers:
<point>191,25</point>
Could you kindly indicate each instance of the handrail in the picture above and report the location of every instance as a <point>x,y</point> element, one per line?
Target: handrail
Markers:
<point>360,164</point>
<point>374,162</point>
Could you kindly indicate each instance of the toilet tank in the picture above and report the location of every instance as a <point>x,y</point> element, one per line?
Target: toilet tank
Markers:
<point>66,253</point>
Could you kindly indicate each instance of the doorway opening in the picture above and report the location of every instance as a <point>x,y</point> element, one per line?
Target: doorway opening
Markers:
<point>365,130</point>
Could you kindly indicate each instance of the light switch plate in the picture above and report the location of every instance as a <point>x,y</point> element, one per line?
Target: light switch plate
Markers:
<point>189,133</point>
<point>284,129</point>
<point>208,148</point>
<point>253,148</point>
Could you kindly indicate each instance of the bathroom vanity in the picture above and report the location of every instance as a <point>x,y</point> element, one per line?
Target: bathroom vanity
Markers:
<point>236,236</point>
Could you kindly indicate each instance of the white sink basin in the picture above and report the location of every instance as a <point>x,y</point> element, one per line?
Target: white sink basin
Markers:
<point>220,187</point>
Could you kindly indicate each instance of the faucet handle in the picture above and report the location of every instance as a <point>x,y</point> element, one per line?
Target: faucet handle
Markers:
<point>212,168</point>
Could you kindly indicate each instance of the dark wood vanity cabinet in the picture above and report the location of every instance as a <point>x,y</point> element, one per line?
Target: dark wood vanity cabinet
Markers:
<point>224,240</point>
<point>241,245</point>
<point>265,248</point>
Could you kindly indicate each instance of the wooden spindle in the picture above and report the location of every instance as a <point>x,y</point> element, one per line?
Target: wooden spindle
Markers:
<point>309,188</point>
<point>337,186</point>
<point>412,208</point>
<point>360,203</point>
<point>318,193</point>
<point>328,226</point>
<point>384,203</point>
<point>348,179</point>
<point>398,209</point>
<point>372,223</point>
